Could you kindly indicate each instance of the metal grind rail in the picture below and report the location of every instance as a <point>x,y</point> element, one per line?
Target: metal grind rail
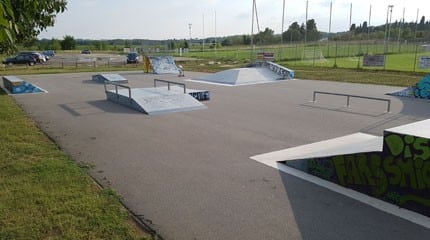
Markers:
<point>349,96</point>
<point>169,83</point>
<point>116,89</point>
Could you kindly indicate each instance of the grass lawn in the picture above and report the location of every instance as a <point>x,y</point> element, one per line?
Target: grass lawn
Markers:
<point>45,195</point>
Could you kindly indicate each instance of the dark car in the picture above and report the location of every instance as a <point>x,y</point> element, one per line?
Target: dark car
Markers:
<point>21,59</point>
<point>40,58</point>
<point>86,51</point>
<point>49,53</point>
<point>132,57</point>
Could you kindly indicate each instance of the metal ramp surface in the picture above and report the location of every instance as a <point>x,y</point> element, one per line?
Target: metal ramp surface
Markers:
<point>155,101</point>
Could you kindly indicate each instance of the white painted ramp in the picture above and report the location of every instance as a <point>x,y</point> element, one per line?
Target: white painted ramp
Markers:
<point>350,144</point>
<point>241,76</point>
<point>155,101</point>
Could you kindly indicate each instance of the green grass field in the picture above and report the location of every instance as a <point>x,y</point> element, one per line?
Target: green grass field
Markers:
<point>45,194</point>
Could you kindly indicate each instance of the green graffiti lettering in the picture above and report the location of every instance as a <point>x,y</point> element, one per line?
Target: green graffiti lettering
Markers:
<point>394,172</point>
<point>426,174</point>
<point>407,152</point>
<point>419,163</point>
<point>364,170</point>
<point>409,139</point>
<point>395,144</point>
<point>408,172</point>
<point>422,148</point>
<point>339,165</point>
<point>352,171</point>
<point>380,177</point>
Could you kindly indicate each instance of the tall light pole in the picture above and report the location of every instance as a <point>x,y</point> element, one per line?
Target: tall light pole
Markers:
<point>400,27</point>
<point>389,23</point>
<point>389,8</point>
<point>189,27</point>
<point>306,23</point>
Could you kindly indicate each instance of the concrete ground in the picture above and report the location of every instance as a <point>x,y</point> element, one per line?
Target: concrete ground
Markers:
<point>189,174</point>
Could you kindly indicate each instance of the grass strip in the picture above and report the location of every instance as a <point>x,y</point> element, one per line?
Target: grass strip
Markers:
<point>44,194</point>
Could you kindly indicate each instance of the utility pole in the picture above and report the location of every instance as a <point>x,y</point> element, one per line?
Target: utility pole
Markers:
<point>306,23</point>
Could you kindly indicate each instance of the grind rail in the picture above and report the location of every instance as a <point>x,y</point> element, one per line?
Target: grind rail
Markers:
<point>349,96</point>
<point>169,83</point>
<point>116,89</point>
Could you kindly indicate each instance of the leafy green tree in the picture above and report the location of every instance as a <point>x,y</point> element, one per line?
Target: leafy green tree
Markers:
<point>293,33</point>
<point>68,43</point>
<point>266,37</point>
<point>22,20</point>
<point>55,44</point>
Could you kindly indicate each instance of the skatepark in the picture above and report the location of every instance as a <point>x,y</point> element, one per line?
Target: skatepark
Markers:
<point>190,175</point>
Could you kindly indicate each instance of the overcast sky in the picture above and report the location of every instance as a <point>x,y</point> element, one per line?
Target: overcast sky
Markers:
<point>169,19</point>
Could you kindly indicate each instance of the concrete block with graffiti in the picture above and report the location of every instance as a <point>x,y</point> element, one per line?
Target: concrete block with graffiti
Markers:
<point>399,174</point>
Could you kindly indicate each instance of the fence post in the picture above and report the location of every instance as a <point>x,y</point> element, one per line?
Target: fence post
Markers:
<point>313,62</point>
<point>335,57</point>
<point>416,56</point>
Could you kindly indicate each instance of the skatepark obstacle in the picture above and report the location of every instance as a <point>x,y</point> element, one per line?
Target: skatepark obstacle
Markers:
<point>256,73</point>
<point>161,65</point>
<point>394,168</point>
<point>156,100</point>
<point>101,78</point>
<point>16,85</point>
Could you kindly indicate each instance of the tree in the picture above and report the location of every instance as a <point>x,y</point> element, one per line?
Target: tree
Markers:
<point>294,34</point>
<point>266,36</point>
<point>312,31</point>
<point>23,20</point>
<point>55,44</point>
<point>68,43</point>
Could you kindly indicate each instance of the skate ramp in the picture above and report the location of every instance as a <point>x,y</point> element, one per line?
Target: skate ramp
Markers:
<point>109,77</point>
<point>394,168</point>
<point>155,101</point>
<point>161,65</point>
<point>241,76</point>
<point>354,143</point>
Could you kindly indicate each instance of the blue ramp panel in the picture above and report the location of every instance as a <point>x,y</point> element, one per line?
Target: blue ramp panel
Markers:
<point>154,101</point>
<point>16,85</point>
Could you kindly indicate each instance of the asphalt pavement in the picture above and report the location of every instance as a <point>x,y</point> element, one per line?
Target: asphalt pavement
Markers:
<point>189,175</point>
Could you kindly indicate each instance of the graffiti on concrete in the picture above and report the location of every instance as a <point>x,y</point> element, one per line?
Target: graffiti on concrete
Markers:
<point>400,174</point>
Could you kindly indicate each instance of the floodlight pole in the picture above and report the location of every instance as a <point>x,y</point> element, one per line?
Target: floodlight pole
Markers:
<point>329,30</point>
<point>389,24</point>
<point>306,23</point>
<point>350,17</point>
<point>203,33</point>
<point>282,29</point>
<point>400,27</point>
<point>252,25</point>
<point>390,7</point>
<point>368,28</point>
<point>189,27</point>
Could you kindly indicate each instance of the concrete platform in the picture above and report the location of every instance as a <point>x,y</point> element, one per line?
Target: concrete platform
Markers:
<point>241,76</point>
<point>109,77</point>
<point>155,101</point>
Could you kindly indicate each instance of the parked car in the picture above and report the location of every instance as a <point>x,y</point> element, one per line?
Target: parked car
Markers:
<point>40,58</point>
<point>21,59</point>
<point>49,53</point>
<point>86,51</point>
<point>133,57</point>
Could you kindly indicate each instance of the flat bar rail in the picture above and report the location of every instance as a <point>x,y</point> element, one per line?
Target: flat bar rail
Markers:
<point>168,84</point>
<point>116,89</point>
<point>349,96</point>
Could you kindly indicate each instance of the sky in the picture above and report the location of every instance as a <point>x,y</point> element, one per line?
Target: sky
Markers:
<point>171,19</point>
